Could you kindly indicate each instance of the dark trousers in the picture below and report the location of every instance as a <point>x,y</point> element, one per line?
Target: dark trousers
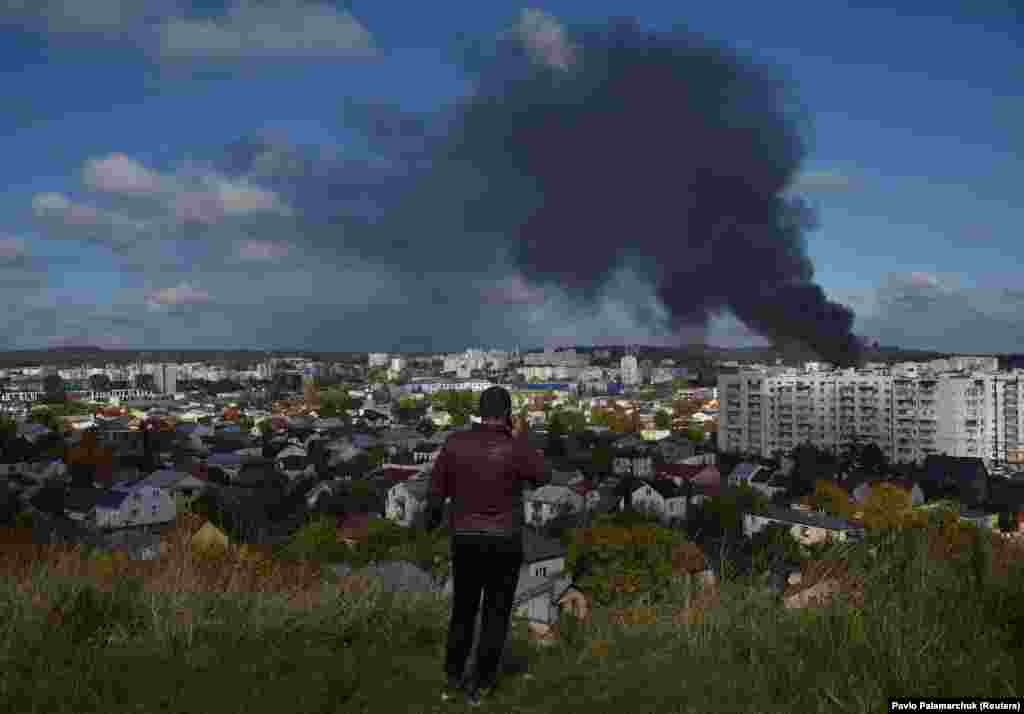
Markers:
<point>488,565</point>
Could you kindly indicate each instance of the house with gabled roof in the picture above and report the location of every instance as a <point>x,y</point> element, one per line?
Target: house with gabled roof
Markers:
<point>541,599</point>
<point>661,497</point>
<point>139,505</point>
<point>545,503</point>
<point>177,483</point>
<point>744,473</point>
<point>406,500</point>
<point>807,527</point>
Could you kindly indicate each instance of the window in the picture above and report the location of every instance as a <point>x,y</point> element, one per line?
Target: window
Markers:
<point>542,572</point>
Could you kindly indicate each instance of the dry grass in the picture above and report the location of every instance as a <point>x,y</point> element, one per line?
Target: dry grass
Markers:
<point>180,567</point>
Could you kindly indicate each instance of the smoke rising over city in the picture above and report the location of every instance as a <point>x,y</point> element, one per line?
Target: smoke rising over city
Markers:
<point>577,155</point>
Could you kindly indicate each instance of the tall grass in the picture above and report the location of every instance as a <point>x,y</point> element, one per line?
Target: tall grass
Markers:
<point>240,630</point>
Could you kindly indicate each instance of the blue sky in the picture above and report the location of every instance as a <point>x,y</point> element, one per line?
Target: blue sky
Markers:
<point>122,223</point>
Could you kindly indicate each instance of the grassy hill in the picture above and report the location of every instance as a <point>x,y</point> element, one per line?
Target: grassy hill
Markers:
<point>242,631</point>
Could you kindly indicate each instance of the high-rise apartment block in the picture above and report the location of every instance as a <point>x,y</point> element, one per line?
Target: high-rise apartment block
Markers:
<point>908,413</point>
<point>165,378</point>
<point>630,370</point>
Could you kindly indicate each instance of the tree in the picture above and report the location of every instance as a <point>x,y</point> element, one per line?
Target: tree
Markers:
<point>833,499</point>
<point>602,459</point>
<point>47,418</point>
<point>872,458</point>
<point>685,408</point>
<point>8,430</point>
<point>53,388</point>
<point>99,383</point>
<point>617,563</point>
<point>555,443</point>
<point>311,393</point>
<point>663,420</point>
<point>600,417</point>
<point>887,506</point>
<point>812,464</point>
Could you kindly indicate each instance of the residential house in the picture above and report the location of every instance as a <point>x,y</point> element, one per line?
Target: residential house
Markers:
<point>676,448</point>
<point>661,497</point>
<point>981,518</point>
<point>545,503</point>
<point>859,492</point>
<point>807,527</point>
<point>138,505</point>
<point>744,473</point>
<point>541,599</point>
<point>406,500</point>
<point>542,556</point>
<point>178,483</point>
<point>425,452</point>
<point>589,492</point>
<point>401,439</point>
<point>635,462</point>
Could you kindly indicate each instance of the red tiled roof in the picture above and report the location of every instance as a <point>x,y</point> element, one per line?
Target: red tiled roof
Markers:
<point>583,487</point>
<point>394,475</point>
<point>685,471</point>
<point>708,476</point>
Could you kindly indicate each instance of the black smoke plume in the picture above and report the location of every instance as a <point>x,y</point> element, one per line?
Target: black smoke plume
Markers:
<point>656,151</point>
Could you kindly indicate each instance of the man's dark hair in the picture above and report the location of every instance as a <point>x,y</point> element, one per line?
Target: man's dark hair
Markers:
<point>495,403</point>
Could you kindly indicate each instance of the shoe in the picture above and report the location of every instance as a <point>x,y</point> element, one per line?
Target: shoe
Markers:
<point>452,689</point>
<point>478,695</point>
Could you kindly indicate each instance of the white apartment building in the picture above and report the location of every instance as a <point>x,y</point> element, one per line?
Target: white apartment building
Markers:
<point>165,377</point>
<point>965,363</point>
<point>909,417</point>
<point>630,370</point>
<point>377,359</point>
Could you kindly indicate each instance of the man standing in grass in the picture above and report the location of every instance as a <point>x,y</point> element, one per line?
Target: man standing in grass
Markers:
<point>483,471</point>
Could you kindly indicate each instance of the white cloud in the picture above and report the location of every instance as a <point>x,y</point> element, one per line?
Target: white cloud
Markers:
<point>73,220</point>
<point>181,294</point>
<point>72,16</point>
<point>238,197</point>
<point>545,38</point>
<point>118,173</point>
<point>268,29</point>
<point>262,249</point>
<point>219,197</point>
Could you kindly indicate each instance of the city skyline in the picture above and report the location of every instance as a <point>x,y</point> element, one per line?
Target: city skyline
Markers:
<point>169,204</point>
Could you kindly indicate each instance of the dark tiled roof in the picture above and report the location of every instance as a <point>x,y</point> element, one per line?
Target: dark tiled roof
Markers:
<point>808,518</point>
<point>110,499</point>
<point>665,488</point>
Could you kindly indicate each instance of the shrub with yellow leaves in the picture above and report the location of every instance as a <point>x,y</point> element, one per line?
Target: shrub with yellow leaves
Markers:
<point>886,506</point>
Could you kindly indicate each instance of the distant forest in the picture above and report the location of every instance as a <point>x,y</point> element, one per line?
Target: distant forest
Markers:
<point>75,356</point>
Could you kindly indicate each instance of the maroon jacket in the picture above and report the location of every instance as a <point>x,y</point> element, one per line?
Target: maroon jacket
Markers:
<point>483,471</point>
